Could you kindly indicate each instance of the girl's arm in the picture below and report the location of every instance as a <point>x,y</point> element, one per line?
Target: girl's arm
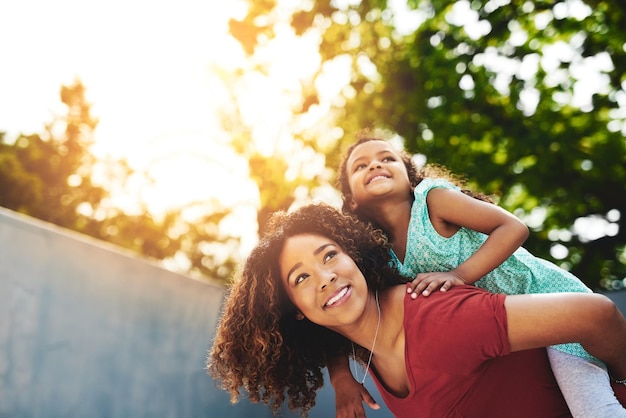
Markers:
<point>349,394</point>
<point>450,210</point>
<point>591,319</point>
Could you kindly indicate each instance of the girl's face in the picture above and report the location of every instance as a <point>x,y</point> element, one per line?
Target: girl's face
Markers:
<point>322,281</point>
<point>375,170</point>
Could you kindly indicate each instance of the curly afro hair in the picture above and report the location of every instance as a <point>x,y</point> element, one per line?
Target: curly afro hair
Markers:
<point>260,346</point>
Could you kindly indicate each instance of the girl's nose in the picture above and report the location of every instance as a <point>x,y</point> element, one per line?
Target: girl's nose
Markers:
<point>374,165</point>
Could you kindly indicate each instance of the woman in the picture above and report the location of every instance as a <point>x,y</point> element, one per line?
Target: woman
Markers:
<point>320,280</point>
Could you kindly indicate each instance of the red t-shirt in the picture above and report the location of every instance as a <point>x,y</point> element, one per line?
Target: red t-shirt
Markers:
<point>459,363</point>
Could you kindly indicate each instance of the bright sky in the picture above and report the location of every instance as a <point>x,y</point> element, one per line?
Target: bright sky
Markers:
<point>154,73</point>
<point>146,65</point>
<point>130,54</point>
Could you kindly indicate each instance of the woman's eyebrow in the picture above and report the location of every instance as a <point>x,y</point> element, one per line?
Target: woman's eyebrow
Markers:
<point>316,252</point>
<point>295,266</point>
<point>321,248</point>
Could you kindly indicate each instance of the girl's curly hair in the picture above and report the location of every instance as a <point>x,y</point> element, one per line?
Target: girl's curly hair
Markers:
<point>416,174</point>
<point>259,343</point>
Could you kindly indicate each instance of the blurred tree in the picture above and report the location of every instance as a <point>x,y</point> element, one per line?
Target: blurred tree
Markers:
<point>277,171</point>
<point>524,98</point>
<point>49,177</point>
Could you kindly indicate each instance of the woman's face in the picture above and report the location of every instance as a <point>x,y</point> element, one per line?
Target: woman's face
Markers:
<point>375,170</point>
<point>322,281</point>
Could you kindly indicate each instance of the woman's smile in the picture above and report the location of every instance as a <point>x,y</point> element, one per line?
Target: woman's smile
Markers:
<point>339,297</point>
<point>319,278</point>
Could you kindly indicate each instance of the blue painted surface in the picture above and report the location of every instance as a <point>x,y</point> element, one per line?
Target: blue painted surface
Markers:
<point>87,330</point>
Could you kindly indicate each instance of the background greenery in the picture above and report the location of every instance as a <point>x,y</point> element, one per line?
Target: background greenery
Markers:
<point>491,89</point>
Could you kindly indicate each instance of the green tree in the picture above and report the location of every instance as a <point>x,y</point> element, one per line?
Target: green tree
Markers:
<point>49,176</point>
<point>495,91</point>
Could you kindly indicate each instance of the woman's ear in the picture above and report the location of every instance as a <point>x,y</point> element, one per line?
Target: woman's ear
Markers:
<point>299,316</point>
<point>352,204</point>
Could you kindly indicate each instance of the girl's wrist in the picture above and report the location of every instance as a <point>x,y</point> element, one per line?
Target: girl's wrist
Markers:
<point>458,276</point>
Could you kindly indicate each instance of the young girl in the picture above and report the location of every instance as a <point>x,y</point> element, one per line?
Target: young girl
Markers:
<point>446,238</point>
<point>321,280</point>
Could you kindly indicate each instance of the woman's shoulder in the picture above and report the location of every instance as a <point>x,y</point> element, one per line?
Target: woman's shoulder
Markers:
<point>394,296</point>
<point>392,302</point>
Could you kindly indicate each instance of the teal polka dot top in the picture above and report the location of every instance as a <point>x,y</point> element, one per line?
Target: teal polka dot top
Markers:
<point>521,273</point>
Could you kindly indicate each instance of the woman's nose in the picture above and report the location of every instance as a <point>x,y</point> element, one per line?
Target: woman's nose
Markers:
<point>328,281</point>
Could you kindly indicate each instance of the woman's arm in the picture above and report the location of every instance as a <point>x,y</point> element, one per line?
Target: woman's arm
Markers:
<point>591,319</point>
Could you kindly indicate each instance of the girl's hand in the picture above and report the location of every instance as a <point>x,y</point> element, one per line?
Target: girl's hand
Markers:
<point>349,398</point>
<point>426,283</point>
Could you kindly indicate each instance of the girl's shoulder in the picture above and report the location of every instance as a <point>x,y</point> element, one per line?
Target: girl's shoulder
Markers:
<point>429,183</point>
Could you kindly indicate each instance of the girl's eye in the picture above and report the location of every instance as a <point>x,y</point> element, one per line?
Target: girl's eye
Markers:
<point>387,159</point>
<point>300,278</point>
<point>359,167</point>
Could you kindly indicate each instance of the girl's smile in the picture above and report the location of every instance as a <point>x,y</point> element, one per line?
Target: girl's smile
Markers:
<point>375,170</point>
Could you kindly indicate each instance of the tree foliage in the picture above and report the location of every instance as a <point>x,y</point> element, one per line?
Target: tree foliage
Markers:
<point>497,91</point>
<point>49,176</point>
<point>278,172</point>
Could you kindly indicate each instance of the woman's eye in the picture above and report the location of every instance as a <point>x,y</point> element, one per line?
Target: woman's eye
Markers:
<point>300,278</point>
<point>329,255</point>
